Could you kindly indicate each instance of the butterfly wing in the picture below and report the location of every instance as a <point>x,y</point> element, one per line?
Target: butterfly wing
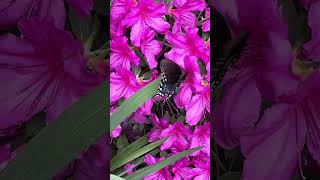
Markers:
<point>170,70</point>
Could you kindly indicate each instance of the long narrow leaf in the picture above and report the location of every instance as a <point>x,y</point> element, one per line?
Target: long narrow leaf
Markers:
<point>136,100</point>
<point>135,145</point>
<point>124,158</point>
<point>62,141</point>
<point>168,161</point>
<point>114,177</point>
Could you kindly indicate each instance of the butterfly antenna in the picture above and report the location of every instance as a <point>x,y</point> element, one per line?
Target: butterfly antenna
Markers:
<point>167,101</point>
<point>161,109</point>
<point>174,107</point>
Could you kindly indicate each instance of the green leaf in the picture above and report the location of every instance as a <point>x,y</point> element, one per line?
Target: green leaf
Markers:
<point>85,29</point>
<point>125,157</point>
<point>167,2</point>
<point>135,101</point>
<point>231,176</point>
<point>122,142</point>
<point>155,167</point>
<point>296,18</point>
<point>61,141</point>
<point>114,177</point>
<point>35,124</point>
<point>135,145</point>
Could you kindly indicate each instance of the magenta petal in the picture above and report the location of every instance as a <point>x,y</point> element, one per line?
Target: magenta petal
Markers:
<point>236,113</point>
<point>313,122</point>
<point>206,26</point>
<point>149,159</point>
<point>195,110</point>
<point>277,84</point>
<point>167,144</point>
<point>44,77</point>
<point>136,32</point>
<point>44,10</point>
<point>278,51</point>
<point>150,47</point>
<point>20,99</point>
<point>184,95</point>
<point>312,47</point>
<point>158,24</point>
<point>12,11</point>
<point>272,149</point>
<point>52,11</point>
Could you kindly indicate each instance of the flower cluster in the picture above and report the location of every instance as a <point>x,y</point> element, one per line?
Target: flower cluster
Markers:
<point>43,68</point>
<point>275,68</point>
<point>143,33</point>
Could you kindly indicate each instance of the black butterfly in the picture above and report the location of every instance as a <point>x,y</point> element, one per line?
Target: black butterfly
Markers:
<point>171,77</point>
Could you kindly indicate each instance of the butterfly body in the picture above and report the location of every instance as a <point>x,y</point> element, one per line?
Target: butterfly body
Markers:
<point>167,90</point>
<point>171,77</point>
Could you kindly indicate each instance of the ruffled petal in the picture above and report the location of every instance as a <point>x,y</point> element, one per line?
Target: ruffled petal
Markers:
<point>272,149</point>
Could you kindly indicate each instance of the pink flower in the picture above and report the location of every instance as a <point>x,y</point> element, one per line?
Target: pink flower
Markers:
<point>162,174</point>
<point>121,55</point>
<point>53,68</point>
<point>139,116</point>
<point>178,140</point>
<point>129,168</point>
<point>183,13</point>
<point>118,11</point>
<point>150,47</point>
<point>123,83</point>
<point>159,125</point>
<point>206,23</point>
<point>201,137</point>
<point>202,164</point>
<point>199,102</point>
<point>147,14</point>
<point>116,131</point>
<point>187,44</point>
<point>181,170</point>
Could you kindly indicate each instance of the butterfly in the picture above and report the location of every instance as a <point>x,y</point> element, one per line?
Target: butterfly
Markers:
<point>171,77</point>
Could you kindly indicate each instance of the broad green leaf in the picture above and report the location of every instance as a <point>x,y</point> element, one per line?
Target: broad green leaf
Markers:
<point>35,124</point>
<point>135,101</point>
<point>114,177</point>
<point>231,176</point>
<point>124,158</point>
<point>155,167</point>
<point>62,141</point>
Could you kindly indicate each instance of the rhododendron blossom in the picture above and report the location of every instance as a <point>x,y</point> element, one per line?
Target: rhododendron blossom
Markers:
<point>146,14</point>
